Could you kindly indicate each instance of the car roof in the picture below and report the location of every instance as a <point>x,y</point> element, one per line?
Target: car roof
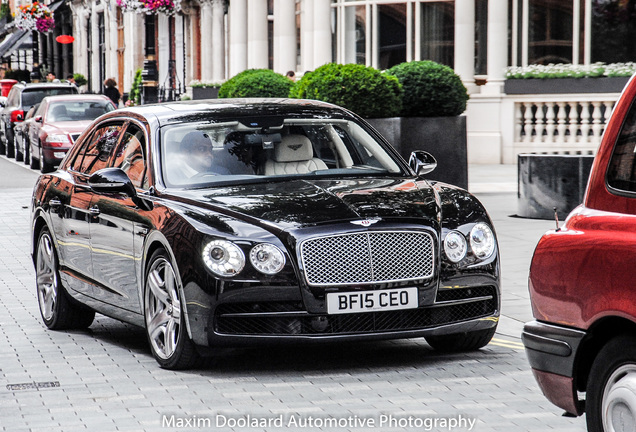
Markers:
<point>201,110</point>
<point>43,85</point>
<point>67,97</point>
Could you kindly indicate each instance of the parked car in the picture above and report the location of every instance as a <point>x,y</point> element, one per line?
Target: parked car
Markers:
<point>21,136</point>
<point>20,99</point>
<point>237,222</point>
<point>582,345</point>
<point>58,123</point>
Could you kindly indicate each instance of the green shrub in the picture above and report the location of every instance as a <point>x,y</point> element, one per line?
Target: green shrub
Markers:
<point>18,75</point>
<point>361,89</point>
<point>256,83</point>
<point>430,89</point>
<point>80,79</point>
<point>135,91</point>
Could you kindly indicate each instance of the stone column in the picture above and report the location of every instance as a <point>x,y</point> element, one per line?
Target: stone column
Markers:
<point>237,17</point>
<point>465,42</point>
<point>284,36</point>
<point>307,35</point>
<point>218,41</point>
<point>322,33</point>
<point>207,41</point>
<point>497,45</point>
<point>257,47</point>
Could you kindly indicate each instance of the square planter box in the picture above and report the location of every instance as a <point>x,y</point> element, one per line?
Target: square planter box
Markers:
<point>546,182</point>
<point>443,137</point>
<point>205,93</point>
<point>565,85</point>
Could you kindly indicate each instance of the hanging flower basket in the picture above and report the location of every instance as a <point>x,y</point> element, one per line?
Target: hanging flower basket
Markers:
<point>150,7</point>
<point>36,16</point>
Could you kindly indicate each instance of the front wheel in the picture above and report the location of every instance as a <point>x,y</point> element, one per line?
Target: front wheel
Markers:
<point>164,315</point>
<point>468,341</point>
<point>57,309</point>
<point>611,389</point>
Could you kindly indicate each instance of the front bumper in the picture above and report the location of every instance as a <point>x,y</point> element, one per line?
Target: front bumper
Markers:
<point>250,322</point>
<point>551,352</point>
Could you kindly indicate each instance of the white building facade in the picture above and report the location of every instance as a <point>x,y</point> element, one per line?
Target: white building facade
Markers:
<point>213,40</point>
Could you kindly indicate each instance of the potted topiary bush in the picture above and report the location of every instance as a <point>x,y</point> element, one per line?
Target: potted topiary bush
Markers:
<point>256,83</point>
<point>364,90</point>
<point>433,100</point>
<point>204,90</point>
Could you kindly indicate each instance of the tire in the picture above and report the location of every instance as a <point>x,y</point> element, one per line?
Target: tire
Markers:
<point>10,144</point>
<point>611,388</point>
<point>468,341</point>
<point>35,163</point>
<point>165,322</point>
<point>58,310</point>
<point>19,156</point>
<point>45,167</point>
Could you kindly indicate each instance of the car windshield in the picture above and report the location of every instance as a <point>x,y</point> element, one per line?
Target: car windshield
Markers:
<point>194,155</point>
<point>77,110</point>
<point>32,96</point>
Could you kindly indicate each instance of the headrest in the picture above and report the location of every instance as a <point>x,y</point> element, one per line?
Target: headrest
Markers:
<point>293,148</point>
<point>193,139</point>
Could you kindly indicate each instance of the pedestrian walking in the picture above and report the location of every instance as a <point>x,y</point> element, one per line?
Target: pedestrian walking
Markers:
<point>111,91</point>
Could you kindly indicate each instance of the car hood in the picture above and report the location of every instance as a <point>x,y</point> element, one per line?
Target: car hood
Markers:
<point>64,127</point>
<point>300,203</point>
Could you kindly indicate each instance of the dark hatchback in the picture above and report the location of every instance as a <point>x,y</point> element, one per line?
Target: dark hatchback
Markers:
<point>238,222</point>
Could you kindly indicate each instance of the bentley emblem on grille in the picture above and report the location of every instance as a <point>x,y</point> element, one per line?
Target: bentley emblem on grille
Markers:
<point>365,222</point>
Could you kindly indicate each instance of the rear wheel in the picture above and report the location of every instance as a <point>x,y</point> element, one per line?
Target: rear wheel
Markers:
<point>164,315</point>
<point>45,167</point>
<point>19,156</point>
<point>35,163</point>
<point>611,390</point>
<point>56,307</point>
<point>468,341</point>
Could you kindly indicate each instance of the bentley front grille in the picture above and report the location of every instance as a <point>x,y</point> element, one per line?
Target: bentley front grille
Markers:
<point>367,257</point>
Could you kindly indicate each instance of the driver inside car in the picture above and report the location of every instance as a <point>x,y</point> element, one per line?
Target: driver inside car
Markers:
<point>197,156</point>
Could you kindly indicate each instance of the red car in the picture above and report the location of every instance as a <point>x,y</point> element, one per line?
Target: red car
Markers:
<point>582,344</point>
<point>58,122</point>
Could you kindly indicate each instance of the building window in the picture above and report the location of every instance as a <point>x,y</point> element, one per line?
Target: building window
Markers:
<point>550,32</point>
<point>613,31</point>
<point>385,33</point>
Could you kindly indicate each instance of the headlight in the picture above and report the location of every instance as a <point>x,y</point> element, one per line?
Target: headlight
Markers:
<point>223,258</point>
<point>58,138</point>
<point>267,258</point>
<point>455,246</point>
<point>482,240</point>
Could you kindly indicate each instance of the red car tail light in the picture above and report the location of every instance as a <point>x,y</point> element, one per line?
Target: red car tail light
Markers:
<point>17,116</point>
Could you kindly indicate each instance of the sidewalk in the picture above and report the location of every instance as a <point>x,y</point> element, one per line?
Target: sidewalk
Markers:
<point>492,178</point>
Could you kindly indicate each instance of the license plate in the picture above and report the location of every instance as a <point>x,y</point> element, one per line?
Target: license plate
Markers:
<point>370,301</point>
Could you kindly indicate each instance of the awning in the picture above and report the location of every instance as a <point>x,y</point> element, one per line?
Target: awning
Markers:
<point>14,41</point>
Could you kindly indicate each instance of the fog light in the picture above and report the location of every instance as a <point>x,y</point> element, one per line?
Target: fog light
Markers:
<point>319,323</point>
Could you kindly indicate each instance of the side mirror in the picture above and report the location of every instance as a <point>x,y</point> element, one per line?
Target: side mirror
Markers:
<point>422,162</point>
<point>112,180</point>
<point>38,119</point>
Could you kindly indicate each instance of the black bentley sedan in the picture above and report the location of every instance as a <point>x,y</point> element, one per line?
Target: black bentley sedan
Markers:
<point>236,222</point>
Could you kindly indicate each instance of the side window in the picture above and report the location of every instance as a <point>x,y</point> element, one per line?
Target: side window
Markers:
<point>96,154</point>
<point>130,156</point>
<point>621,173</point>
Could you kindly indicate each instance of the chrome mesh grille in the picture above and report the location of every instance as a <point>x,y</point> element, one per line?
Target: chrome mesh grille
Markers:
<point>367,257</point>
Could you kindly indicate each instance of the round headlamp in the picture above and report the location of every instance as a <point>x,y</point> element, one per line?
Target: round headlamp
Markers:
<point>223,258</point>
<point>267,258</point>
<point>455,246</point>
<point>482,240</point>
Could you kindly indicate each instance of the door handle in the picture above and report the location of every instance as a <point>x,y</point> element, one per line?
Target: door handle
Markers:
<point>55,202</point>
<point>94,210</point>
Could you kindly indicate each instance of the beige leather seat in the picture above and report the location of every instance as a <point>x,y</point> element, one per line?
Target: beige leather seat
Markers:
<point>293,155</point>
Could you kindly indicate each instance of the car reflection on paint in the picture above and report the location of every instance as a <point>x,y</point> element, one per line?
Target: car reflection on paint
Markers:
<point>238,222</point>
